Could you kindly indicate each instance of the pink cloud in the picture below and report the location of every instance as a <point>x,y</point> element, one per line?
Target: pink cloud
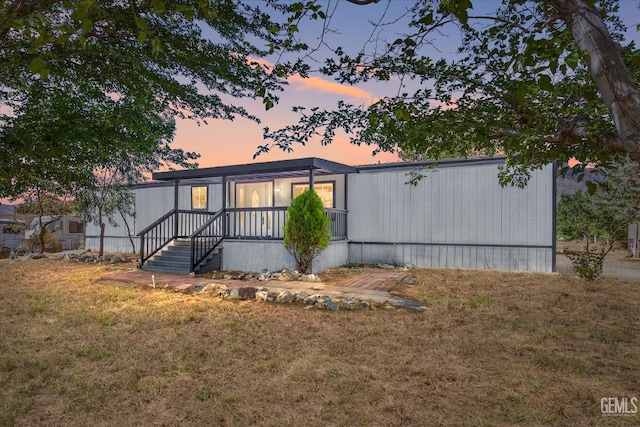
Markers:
<point>319,84</point>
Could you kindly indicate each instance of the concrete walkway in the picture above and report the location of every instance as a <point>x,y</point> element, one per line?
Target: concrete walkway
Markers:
<point>371,287</point>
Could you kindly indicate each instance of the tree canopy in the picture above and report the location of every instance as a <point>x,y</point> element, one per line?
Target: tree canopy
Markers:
<point>84,83</point>
<point>534,80</point>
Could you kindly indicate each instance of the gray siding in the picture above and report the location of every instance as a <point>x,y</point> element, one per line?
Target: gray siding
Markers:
<point>456,216</point>
<point>254,255</point>
<point>151,202</point>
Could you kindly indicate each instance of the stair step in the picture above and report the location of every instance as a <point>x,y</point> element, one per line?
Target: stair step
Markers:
<point>175,259</point>
<point>168,270</point>
<point>168,263</point>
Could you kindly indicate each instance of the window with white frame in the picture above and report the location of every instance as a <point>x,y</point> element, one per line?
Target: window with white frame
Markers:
<point>198,197</point>
<point>324,190</point>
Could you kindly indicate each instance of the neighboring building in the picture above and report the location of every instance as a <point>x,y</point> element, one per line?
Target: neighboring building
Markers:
<point>11,233</point>
<point>458,216</point>
<point>69,230</point>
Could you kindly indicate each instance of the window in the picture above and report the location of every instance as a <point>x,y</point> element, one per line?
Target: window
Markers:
<point>76,227</point>
<point>324,190</point>
<point>198,197</point>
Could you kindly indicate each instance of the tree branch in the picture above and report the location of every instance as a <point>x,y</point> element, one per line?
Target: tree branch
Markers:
<point>363,2</point>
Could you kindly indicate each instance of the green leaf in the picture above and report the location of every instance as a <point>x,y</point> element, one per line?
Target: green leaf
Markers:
<point>544,83</point>
<point>591,188</point>
<point>141,24</point>
<point>156,46</point>
<point>158,7</point>
<point>426,20</point>
<point>274,29</point>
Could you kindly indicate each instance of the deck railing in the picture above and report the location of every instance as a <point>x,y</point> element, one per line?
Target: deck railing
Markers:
<point>173,225</point>
<point>206,230</point>
<point>267,223</point>
<point>338,225</point>
<point>256,223</point>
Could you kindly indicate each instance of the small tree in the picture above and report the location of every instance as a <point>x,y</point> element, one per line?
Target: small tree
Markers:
<point>306,232</point>
<point>49,206</point>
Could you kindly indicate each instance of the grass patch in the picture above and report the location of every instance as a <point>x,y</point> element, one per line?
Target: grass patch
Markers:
<point>491,349</point>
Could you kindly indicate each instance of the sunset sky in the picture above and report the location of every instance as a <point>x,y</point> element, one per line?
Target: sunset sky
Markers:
<point>223,142</point>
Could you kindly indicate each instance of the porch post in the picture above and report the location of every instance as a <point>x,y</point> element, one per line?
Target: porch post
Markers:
<point>224,207</point>
<point>346,205</point>
<point>311,177</point>
<point>176,186</point>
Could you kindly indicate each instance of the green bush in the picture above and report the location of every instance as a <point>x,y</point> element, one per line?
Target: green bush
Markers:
<point>581,215</point>
<point>588,263</point>
<point>306,232</point>
<point>51,242</point>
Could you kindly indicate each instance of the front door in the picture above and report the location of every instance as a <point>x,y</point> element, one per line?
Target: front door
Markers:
<point>255,221</point>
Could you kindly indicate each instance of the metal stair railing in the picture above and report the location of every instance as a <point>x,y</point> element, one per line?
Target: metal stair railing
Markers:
<point>206,238</point>
<point>173,225</point>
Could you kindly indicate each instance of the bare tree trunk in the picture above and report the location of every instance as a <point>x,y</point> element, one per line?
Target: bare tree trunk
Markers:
<point>612,78</point>
<point>102,226</point>
<point>43,231</point>
<point>126,224</point>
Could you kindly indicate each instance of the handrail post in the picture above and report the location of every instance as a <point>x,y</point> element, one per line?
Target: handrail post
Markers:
<point>192,257</point>
<point>141,250</point>
<point>175,207</point>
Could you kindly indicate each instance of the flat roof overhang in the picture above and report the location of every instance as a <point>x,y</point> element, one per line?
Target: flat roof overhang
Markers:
<point>260,171</point>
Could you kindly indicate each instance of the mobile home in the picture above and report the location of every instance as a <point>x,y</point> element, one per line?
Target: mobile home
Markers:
<point>457,216</point>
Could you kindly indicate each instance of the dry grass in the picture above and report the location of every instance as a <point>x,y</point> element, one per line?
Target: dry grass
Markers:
<point>491,349</point>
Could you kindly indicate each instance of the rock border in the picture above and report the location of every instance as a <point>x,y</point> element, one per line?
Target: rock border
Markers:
<point>317,300</point>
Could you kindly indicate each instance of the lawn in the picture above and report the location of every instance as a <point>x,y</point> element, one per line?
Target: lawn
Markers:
<point>491,349</point>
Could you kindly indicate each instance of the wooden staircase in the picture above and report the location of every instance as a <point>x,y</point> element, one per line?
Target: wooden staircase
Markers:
<point>175,259</point>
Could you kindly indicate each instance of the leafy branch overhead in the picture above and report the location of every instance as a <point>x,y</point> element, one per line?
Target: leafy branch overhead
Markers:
<point>537,81</point>
<point>84,83</point>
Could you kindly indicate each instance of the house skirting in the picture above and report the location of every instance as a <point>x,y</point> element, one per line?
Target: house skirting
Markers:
<point>255,255</point>
<point>477,257</point>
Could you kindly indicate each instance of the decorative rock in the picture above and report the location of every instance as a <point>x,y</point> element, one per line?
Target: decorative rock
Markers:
<point>248,292</point>
<point>310,300</point>
<point>310,278</point>
<point>409,266</point>
<point>414,306</point>
<point>364,305</point>
<point>37,256</point>
<point>198,287</point>
<point>285,297</point>
<point>115,260</point>
<point>287,275</point>
<point>214,288</point>
<point>228,277</point>
<point>265,296</point>
<point>396,302</point>
<point>329,305</point>
<point>349,303</point>
<point>264,275</point>
<point>300,296</point>
<point>234,294</point>
<point>385,266</point>
<point>320,299</point>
